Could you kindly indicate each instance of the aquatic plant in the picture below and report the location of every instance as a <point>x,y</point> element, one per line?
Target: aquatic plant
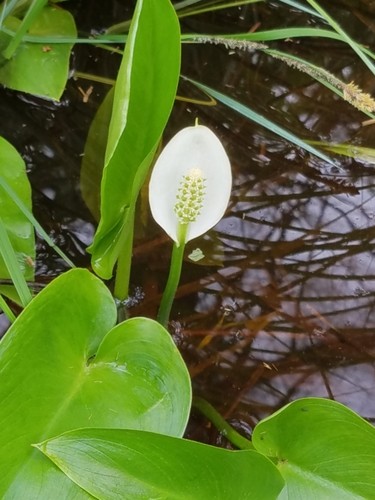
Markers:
<point>189,191</point>
<point>100,410</point>
<point>95,408</point>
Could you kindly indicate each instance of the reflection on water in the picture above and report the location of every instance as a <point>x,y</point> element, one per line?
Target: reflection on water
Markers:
<point>282,305</point>
<point>291,311</point>
<point>296,299</point>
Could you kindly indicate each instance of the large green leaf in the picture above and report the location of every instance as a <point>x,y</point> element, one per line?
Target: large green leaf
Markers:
<point>122,464</point>
<point>19,229</point>
<point>143,99</point>
<point>324,450</point>
<point>37,68</point>
<point>64,366</point>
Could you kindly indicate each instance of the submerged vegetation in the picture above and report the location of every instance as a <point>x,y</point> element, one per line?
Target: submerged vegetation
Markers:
<point>96,399</point>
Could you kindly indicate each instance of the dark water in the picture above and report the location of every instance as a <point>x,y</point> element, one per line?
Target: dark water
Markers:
<point>283,304</point>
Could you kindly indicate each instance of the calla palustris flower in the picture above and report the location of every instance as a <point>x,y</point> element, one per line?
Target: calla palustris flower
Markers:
<point>190,184</point>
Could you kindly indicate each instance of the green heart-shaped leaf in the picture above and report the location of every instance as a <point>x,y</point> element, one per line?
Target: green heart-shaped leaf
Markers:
<point>115,464</point>
<point>324,450</point>
<point>64,366</point>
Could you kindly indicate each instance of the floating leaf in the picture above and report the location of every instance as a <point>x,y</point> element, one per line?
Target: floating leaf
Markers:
<point>41,68</point>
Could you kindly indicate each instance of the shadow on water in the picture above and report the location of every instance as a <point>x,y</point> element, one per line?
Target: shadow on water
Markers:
<point>282,305</point>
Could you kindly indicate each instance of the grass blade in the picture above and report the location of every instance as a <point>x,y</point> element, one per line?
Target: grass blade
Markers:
<point>13,266</point>
<point>261,120</point>
<point>354,45</point>
<point>6,310</point>
<point>23,208</point>
<point>211,7</point>
<point>349,92</point>
<point>300,7</point>
<point>32,13</point>
<point>270,35</point>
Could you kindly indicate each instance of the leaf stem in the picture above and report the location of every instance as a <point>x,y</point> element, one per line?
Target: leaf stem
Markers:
<point>173,277</point>
<point>231,434</point>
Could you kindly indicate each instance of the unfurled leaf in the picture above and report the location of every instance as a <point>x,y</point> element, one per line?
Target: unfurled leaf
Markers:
<point>143,98</point>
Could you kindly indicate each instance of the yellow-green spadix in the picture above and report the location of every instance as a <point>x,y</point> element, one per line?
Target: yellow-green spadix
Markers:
<point>190,184</point>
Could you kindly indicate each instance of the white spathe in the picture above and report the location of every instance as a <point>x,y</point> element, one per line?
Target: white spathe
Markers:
<point>192,148</point>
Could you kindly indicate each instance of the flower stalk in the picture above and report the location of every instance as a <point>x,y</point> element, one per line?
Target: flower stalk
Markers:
<point>172,282</point>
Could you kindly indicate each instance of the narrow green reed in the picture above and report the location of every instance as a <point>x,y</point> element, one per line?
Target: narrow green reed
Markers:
<point>26,212</point>
<point>8,254</point>
<point>193,11</point>
<point>345,37</point>
<point>30,17</point>
<point>350,92</point>
<point>6,310</point>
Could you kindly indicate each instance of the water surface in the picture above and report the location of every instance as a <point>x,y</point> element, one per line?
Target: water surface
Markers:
<point>282,305</point>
